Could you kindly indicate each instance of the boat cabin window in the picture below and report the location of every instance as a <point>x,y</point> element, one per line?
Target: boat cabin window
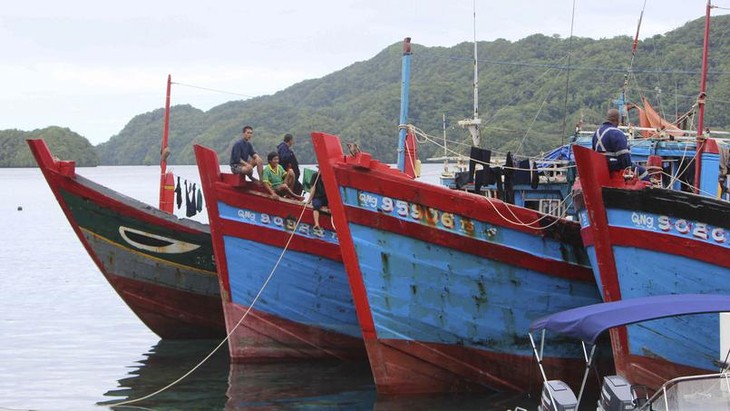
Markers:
<point>554,207</point>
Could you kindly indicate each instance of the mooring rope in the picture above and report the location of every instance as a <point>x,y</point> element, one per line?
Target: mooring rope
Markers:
<point>227,337</point>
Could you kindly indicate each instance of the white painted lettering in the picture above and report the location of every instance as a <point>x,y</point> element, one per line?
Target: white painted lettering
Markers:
<point>700,231</point>
<point>664,223</point>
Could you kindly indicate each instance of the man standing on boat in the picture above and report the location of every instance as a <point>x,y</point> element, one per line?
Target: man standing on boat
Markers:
<point>289,161</point>
<point>244,157</point>
<point>612,143</point>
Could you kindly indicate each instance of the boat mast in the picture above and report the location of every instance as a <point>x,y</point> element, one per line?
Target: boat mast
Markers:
<point>165,205</point>
<point>443,129</point>
<point>473,124</point>
<point>701,137</point>
<point>404,89</point>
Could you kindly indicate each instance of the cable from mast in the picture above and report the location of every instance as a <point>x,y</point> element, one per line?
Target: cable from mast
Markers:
<point>623,111</point>
<point>567,78</point>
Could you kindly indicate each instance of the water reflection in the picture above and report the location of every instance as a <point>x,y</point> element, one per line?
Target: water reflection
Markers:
<point>461,402</point>
<point>314,385</point>
<point>167,361</point>
<point>302,385</point>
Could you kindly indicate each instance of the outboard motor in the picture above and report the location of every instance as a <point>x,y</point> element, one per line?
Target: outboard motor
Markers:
<point>557,396</point>
<point>616,394</point>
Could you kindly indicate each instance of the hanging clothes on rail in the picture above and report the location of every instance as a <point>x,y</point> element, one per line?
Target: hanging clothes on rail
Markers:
<point>199,203</point>
<point>178,193</point>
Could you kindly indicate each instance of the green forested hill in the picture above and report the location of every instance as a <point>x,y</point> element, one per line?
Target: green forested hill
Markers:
<point>64,143</point>
<point>532,92</point>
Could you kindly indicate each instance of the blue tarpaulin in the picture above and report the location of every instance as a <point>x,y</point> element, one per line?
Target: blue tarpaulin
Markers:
<point>588,322</point>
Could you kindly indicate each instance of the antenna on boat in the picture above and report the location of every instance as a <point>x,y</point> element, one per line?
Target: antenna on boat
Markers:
<point>473,124</point>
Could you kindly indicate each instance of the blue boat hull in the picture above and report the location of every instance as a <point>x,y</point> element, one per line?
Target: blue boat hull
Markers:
<point>284,288</point>
<point>648,241</point>
<point>446,283</point>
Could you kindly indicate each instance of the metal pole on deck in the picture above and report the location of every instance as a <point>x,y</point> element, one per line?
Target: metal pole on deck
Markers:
<point>404,90</point>
<point>701,138</point>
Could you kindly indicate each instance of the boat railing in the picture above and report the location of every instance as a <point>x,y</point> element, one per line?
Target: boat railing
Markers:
<point>686,135</point>
<point>699,392</point>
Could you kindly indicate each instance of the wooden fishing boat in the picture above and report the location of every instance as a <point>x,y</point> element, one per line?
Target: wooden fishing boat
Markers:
<point>663,236</point>
<point>645,241</point>
<point>284,289</point>
<point>446,282</point>
<point>160,265</point>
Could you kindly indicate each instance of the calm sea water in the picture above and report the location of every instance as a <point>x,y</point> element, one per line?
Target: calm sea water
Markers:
<point>68,342</point>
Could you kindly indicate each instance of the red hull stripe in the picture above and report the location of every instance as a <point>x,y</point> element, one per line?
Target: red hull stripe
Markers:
<point>667,244</point>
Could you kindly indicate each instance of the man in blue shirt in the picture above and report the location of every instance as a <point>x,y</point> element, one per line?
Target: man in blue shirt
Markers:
<point>612,143</point>
<point>244,157</point>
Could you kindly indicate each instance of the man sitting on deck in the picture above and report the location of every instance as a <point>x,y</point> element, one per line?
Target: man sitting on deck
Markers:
<point>244,157</point>
<point>289,161</point>
<point>274,176</point>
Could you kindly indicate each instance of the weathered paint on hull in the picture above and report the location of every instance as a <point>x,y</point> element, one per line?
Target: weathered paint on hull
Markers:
<point>646,242</point>
<point>305,309</point>
<point>154,260</point>
<point>446,288</point>
<point>408,366</point>
<point>265,337</point>
<point>159,309</point>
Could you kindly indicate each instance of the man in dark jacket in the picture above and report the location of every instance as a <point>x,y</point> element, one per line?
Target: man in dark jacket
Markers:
<point>612,143</point>
<point>288,160</point>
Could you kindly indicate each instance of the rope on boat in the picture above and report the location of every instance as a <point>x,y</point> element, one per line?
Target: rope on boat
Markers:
<point>227,337</point>
<point>514,219</point>
<point>534,223</point>
<point>426,138</point>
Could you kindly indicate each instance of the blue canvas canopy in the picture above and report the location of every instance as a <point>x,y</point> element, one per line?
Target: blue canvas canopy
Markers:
<point>587,323</point>
<point>562,153</point>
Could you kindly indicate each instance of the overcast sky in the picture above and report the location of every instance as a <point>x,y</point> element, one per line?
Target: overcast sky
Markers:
<point>93,65</point>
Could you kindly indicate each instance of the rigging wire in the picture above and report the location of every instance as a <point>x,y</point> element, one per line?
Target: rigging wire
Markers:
<point>567,77</point>
<point>629,70</point>
<point>585,68</point>
<point>212,89</point>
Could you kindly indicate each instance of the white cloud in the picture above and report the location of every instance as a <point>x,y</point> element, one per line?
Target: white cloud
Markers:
<point>91,66</point>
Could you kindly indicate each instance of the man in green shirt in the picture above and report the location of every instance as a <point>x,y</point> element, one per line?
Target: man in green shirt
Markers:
<point>273,179</point>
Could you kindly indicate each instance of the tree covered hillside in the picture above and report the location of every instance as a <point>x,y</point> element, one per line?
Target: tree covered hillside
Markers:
<point>64,144</point>
<point>532,93</point>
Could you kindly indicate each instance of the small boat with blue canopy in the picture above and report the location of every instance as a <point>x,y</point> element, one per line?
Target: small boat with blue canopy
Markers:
<point>706,392</point>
